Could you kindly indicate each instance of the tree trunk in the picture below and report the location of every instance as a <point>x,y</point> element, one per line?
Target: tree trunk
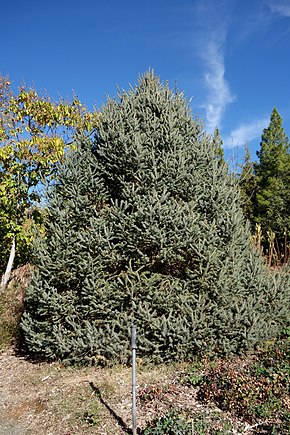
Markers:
<point>6,276</point>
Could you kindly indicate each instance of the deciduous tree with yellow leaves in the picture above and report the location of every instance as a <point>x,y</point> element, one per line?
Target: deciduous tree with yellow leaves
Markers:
<point>35,133</point>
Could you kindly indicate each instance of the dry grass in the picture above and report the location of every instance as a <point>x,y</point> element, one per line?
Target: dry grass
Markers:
<point>41,398</point>
<point>11,305</point>
<point>50,399</point>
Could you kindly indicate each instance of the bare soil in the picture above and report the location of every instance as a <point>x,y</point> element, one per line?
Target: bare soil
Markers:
<point>42,398</point>
<point>50,399</point>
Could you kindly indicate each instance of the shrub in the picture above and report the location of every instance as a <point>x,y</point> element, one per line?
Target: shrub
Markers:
<point>176,422</point>
<point>172,423</point>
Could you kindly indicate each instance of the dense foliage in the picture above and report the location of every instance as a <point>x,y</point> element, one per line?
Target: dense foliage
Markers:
<point>145,225</point>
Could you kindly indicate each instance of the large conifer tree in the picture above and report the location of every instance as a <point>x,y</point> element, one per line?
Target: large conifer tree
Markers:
<point>146,227</point>
<point>272,175</point>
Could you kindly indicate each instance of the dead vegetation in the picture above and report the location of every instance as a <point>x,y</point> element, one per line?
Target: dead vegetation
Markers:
<point>41,398</point>
<point>11,305</point>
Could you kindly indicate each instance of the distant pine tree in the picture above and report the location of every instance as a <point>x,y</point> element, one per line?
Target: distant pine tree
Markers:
<point>272,174</point>
<point>146,226</point>
<point>218,144</point>
<point>247,184</point>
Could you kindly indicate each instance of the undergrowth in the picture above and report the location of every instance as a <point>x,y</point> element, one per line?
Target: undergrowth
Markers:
<point>11,308</point>
<point>259,390</point>
<point>254,389</point>
<point>177,422</point>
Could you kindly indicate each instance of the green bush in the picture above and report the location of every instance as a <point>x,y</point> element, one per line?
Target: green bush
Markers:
<point>192,376</point>
<point>176,422</point>
<point>171,423</point>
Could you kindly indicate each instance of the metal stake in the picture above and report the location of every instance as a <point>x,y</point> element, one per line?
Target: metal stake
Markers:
<point>134,347</point>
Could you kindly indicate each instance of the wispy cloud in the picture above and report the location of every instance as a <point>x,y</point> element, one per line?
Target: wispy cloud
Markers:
<point>245,133</point>
<point>219,94</point>
<point>280,7</point>
<point>212,30</point>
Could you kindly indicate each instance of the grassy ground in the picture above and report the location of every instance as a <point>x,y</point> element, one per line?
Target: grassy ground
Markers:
<point>248,395</point>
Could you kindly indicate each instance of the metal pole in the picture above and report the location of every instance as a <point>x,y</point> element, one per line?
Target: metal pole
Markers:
<point>134,347</point>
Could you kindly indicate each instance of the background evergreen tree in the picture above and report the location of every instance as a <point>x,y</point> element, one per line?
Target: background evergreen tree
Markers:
<point>247,184</point>
<point>146,226</point>
<point>218,144</point>
<point>272,171</point>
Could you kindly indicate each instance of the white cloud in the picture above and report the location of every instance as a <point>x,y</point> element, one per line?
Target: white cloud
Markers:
<point>245,133</point>
<point>211,24</point>
<point>219,95</point>
<point>280,7</point>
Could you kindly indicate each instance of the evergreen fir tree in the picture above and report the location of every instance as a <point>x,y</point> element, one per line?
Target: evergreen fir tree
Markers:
<point>273,180</point>
<point>247,184</point>
<point>218,144</point>
<point>146,226</point>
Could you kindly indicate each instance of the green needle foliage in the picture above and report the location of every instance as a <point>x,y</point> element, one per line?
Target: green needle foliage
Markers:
<point>146,227</point>
<point>272,174</point>
<point>247,184</point>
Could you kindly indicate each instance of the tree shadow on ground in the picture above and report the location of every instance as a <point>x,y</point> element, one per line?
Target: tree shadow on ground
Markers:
<point>118,419</point>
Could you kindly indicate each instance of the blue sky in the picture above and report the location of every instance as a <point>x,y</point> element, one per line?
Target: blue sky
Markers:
<point>232,57</point>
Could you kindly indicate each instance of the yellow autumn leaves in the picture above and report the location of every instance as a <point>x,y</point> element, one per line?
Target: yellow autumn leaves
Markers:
<point>35,133</point>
